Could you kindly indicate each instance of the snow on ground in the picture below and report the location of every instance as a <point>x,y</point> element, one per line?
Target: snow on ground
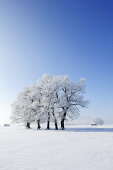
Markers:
<point>76,148</point>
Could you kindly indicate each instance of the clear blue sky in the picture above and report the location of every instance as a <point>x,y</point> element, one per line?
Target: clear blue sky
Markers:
<point>73,37</point>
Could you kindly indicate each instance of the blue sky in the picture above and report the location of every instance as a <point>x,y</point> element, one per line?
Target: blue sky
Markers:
<point>72,37</point>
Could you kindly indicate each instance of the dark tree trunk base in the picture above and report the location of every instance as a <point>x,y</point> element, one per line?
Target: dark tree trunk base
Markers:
<point>56,126</point>
<point>28,125</point>
<point>62,124</point>
<point>47,129</point>
<point>48,125</point>
<point>38,127</point>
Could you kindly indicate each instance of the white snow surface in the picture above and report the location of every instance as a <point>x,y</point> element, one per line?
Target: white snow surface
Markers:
<point>76,148</point>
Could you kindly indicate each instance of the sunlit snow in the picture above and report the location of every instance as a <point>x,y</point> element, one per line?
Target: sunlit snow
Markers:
<point>76,148</point>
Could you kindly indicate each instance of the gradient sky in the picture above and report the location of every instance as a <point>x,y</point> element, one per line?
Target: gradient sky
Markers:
<point>72,37</point>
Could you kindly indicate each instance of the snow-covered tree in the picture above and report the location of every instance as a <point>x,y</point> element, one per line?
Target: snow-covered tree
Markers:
<point>22,110</point>
<point>38,105</point>
<point>52,98</point>
<point>71,99</point>
<point>50,88</point>
<point>98,121</point>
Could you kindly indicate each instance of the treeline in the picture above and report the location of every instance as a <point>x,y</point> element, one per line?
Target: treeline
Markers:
<point>51,99</point>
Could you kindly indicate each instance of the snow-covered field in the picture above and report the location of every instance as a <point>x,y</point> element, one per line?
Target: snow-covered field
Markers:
<point>77,148</point>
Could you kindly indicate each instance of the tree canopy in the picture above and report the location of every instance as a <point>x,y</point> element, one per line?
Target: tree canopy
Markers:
<point>52,98</point>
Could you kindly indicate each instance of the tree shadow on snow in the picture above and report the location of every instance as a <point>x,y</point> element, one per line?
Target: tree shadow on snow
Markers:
<point>89,129</point>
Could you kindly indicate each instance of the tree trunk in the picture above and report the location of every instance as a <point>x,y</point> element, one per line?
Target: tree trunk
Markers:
<point>48,121</point>
<point>62,124</point>
<point>28,125</point>
<point>62,121</point>
<point>38,124</point>
<point>56,126</point>
<point>55,120</point>
<point>48,125</point>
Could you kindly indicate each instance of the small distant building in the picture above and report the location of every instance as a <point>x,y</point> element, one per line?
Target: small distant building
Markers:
<point>97,121</point>
<point>6,125</point>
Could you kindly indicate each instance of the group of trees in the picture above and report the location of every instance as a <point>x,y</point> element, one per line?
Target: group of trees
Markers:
<point>52,98</point>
